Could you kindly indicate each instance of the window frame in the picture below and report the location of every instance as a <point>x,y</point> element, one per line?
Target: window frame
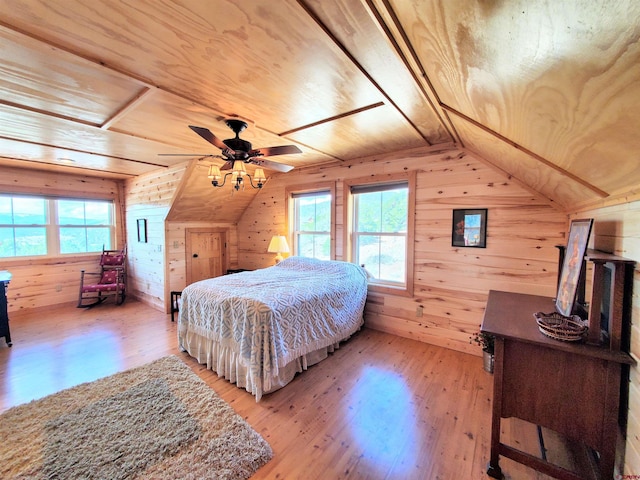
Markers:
<point>52,227</point>
<point>319,187</point>
<point>383,180</point>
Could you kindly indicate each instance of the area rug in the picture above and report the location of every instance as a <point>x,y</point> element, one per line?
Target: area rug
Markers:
<point>158,421</point>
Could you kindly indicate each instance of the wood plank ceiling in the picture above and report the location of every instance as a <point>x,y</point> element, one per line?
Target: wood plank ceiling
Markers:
<point>546,90</point>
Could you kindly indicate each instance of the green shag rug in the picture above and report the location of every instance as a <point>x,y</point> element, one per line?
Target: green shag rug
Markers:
<point>158,421</point>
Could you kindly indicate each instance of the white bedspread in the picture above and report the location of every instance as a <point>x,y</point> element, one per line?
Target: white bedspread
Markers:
<point>267,318</point>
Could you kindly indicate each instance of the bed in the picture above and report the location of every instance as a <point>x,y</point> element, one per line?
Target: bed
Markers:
<point>259,328</point>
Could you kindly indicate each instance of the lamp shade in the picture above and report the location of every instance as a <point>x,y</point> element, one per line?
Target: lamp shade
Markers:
<point>239,169</point>
<point>278,244</point>
<point>214,173</point>
<point>259,176</point>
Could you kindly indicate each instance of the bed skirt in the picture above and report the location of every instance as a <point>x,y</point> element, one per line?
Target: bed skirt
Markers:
<point>229,365</point>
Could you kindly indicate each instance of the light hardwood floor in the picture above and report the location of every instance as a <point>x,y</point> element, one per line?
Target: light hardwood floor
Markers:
<point>380,407</point>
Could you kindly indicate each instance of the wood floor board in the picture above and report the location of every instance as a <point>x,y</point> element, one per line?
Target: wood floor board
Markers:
<point>380,407</point>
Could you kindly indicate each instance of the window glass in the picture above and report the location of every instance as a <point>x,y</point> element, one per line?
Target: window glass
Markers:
<point>23,211</point>
<point>312,225</point>
<point>6,212</point>
<point>79,212</point>
<point>79,226</point>
<point>380,231</point>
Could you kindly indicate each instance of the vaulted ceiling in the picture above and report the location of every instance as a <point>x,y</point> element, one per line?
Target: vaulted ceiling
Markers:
<point>546,90</point>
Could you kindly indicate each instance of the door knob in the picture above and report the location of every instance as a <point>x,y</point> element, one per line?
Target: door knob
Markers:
<point>195,255</point>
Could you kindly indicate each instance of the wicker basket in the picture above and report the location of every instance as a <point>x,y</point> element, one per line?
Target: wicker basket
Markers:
<point>559,327</point>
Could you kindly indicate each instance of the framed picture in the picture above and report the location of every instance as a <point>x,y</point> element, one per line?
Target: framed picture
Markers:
<point>572,265</point>
<point>142,230</point>
<point>469,228</point>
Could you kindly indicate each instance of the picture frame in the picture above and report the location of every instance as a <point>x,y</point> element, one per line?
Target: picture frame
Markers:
<point>577,242</point>
<point>469,228</point>
<point>142,230</point>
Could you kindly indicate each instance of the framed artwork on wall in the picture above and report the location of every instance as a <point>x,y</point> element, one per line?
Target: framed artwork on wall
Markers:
<point>469,228</point>
<point>572,265</point>
<point>142,230</point>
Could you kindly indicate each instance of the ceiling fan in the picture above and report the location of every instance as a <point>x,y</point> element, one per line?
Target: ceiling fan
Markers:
<point>234,149</point>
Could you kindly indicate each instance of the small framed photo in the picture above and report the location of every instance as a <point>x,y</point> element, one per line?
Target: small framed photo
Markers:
<point>142,230</point>
<point>469,228</point>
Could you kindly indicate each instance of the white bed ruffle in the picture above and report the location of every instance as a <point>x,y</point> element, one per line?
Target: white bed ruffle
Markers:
<point>227,364</point>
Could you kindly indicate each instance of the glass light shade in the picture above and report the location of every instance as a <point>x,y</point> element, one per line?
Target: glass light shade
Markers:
<point>239,169</point>
<point>259,176</point>
<point>214,173</point>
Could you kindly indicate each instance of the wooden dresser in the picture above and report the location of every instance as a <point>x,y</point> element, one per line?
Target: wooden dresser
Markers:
<point>576,389</point>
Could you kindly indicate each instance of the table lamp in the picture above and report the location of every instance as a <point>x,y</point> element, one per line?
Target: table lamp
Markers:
<point>278,245</point>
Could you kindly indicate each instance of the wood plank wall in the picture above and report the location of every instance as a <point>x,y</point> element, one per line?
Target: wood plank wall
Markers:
<point>149,197</point>
<point>159,266</point>
<point>451,284</point>
<point>38,282</point>
<point>616,230</point>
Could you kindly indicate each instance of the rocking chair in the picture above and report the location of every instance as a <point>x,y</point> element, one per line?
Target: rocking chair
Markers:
<point>95,288</point>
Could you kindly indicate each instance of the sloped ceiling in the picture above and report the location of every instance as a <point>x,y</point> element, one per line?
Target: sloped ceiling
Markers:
<point>547,91</point>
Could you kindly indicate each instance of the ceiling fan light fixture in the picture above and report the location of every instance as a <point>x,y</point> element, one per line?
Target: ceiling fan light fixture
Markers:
<point>259,176</point>
<point>239,169</point>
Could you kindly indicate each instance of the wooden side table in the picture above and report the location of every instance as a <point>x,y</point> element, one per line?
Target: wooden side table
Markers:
<point>175,303</point>
<point>5,278</point>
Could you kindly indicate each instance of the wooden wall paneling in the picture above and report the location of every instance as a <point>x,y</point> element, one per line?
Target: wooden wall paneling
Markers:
<point>44,283</point>
<point>616,230</point>
<point>41,282</point>
<point>35,182</point>
<point>520,253</point>
<point>145,274</point>
<point>149,197</point>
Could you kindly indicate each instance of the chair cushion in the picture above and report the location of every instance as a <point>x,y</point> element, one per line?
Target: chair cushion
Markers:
<point>112,259</point>
<point>109,287</point>
<point>109,277</point>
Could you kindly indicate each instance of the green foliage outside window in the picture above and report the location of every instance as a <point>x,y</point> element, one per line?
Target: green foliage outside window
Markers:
<point>380,233</point>
<point>313,225</point>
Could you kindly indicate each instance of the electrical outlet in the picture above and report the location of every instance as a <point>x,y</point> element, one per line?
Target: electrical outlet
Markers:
<point>419,309</point>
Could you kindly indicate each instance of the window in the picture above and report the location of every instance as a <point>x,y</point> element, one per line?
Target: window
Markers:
<point>312,225</point>
<point>311,219</point>
<point>35,226</point>
<point>381,230</point>
<point>23,226</point>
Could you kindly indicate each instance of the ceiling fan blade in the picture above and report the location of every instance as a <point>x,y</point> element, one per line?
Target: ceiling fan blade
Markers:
<point>271,151</point>
<point>227,166</point>
<point>209,137</point>
<point>189,155</point>
<point>278,167</point>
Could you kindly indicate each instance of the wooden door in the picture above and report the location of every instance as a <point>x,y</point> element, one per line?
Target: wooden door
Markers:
<point>206,254</point>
